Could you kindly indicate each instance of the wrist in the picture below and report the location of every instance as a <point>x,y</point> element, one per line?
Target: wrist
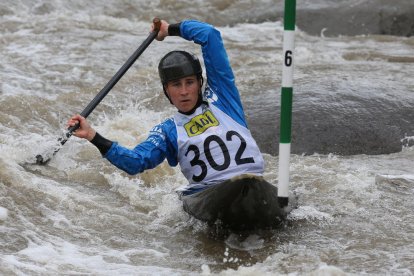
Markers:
<point>101,143</point>
<point>91,134</point>
<point>174,29</point>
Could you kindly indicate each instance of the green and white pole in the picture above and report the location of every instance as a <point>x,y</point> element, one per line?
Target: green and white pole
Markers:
<point>286,102</point>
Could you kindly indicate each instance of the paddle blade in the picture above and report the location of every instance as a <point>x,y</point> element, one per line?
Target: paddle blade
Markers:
<point>44,158</point>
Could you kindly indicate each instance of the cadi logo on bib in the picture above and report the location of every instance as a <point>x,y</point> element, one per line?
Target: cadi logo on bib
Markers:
<point>200,123</point>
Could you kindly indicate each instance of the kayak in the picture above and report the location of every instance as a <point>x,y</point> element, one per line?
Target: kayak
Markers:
<point>243,203</point>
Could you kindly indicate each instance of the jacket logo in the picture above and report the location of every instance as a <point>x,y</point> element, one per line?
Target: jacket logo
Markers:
<point>200,123</point>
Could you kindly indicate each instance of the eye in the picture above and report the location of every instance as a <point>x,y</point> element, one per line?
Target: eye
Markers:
<point>175,83</point>
<point>190,81</point>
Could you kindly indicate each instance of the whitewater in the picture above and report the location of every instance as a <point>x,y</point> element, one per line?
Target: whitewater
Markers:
<point>352,136</point>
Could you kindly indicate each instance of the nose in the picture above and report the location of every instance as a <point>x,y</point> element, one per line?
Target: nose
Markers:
<point>184,89</point>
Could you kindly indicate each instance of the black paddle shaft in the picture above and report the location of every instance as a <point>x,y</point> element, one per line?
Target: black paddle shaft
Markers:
<point>41,159</point>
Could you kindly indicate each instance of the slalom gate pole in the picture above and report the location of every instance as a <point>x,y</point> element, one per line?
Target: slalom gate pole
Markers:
<point>286,102</point>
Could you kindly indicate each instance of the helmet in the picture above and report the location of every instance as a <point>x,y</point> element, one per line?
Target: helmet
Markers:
<point>178,64</point>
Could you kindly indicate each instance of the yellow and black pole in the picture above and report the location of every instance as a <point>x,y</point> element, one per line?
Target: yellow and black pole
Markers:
<point>286,101</point>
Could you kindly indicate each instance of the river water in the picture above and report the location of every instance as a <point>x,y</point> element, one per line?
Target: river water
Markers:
<point>352,166</point>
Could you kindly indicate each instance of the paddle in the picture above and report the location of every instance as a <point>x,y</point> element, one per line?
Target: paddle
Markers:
<point>42,159</point>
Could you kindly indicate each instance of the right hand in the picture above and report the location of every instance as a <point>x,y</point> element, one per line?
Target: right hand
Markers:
<point>163,32</point>
<point>85,130</point>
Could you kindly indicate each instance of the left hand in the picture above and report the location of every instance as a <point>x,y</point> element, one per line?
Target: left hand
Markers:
<point>163,32</point>
<point>84,130</point>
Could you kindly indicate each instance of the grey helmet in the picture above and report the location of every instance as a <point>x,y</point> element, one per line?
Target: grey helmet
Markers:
<point>178,64</point>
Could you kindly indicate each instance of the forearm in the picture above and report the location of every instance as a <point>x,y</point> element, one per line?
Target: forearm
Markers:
<point>143,157</point>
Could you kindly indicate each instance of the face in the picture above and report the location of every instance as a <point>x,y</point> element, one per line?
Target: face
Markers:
<point>184,92</point>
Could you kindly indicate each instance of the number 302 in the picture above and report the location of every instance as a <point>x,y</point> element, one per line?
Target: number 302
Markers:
<point>218,167</point>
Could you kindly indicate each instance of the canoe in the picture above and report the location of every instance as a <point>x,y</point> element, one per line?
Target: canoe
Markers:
<point>242,203</point>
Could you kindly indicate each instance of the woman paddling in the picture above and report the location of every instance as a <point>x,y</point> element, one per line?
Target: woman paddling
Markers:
<point>208,137</point>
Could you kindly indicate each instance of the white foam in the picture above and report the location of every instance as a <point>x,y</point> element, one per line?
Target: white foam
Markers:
<point>309,213</point>
<point>407,177</point>
<point>50,256</point>
<point>327,270</point>
<point>4,213</point>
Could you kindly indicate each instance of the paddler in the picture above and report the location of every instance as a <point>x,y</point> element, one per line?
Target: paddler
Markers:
<point>208,136</point>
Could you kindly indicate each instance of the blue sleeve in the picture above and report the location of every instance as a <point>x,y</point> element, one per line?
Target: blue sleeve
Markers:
<point>160,144</point>
<point>220,77</point>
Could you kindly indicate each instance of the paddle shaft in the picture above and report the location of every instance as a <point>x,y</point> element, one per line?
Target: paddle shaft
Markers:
<point>101,95</point>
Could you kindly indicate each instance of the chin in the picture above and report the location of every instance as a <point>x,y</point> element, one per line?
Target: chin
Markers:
<point>186,108</point>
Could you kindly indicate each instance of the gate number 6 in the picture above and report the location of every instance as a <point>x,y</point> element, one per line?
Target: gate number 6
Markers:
<point>288,58</point>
